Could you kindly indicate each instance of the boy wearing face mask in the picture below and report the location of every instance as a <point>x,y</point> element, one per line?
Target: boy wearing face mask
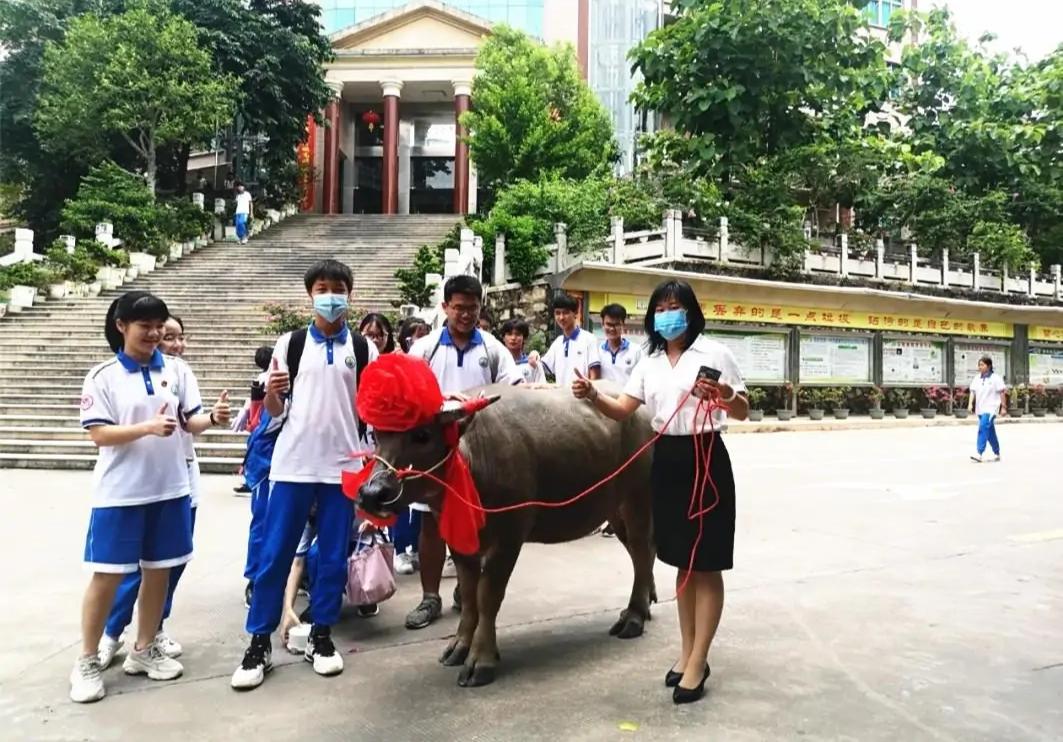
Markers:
<point>320,431</point>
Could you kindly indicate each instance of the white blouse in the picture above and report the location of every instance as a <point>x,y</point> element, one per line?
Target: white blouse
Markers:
<point>661,386</point>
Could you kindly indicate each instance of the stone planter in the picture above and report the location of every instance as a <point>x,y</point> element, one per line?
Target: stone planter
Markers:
<point>876,413</point>
<point>110,278</point>
<point>188,247</point>
<point>756,415</point>
<point>928,413</point>
<point>132,272</point>
<point>1038,411</point>
<point>841,413</point>
<point>143,262</point>
<point>57,291</point>
<point>176,251</point>
<point>900,414</point>
<point>1015,412</point>
<point>961,413</point>
<point>200,242</point>
<point>21,297</point>
<point>94,288</point>
<point>3,309</point>
<point>80,290</point>
<point>815,414</point>
<point>784,415</point>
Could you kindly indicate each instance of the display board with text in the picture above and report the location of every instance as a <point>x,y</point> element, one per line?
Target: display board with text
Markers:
<point>1046,366</point>
<point>761,356</point>
<point>913,362</point>
<point>835,359</point>
<point>965,359</point>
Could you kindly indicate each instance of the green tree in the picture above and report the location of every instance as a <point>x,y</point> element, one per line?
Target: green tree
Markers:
<point>140,75</point>
<point>110,194</point>
<point>747,79</point>
<point>534,116</point>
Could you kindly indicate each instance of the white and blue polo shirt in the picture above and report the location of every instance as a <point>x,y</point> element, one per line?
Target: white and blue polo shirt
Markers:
<point>321,431</point>
<point>123,392</point>
<point>618,366</point>
<point>458,369</point>
<point>571,352</point>
<point>530,375</point>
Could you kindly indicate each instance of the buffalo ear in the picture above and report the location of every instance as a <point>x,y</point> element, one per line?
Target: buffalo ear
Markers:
<point>463,412</point>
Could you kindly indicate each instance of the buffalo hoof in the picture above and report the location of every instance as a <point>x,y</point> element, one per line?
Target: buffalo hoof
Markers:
<point>455,654</point>
<point>629,626</point>
<point>475,676</point>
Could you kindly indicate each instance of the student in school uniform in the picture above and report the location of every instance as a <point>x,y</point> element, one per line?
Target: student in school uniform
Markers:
<point>667,376</point>
<point>619,355</point>
<point>320,432</point>
<point>988,398</point>
<point>132,406</point>
<point>462,357</point>
<point>573,350</point>
<point>515,332</point>
<point>173,344</point>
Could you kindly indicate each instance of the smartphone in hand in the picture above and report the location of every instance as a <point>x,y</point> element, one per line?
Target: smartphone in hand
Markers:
<point>707,372</point>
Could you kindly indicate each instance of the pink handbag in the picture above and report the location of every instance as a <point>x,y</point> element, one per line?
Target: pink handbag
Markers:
<point>371,573</point>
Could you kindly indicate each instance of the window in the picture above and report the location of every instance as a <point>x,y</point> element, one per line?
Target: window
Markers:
<point>879,12</point>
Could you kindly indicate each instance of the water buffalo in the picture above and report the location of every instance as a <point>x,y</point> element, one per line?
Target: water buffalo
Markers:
<point>533,444</point>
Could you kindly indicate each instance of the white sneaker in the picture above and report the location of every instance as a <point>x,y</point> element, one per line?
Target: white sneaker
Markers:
<point>258,660</point>
<point>167,645</point>
<point>152,662</point>
<point>996,457</point>
<point>449,570</point>
<point>404,563</point>
<point>977,458</point>
<point>86,680</point>
<point>108,649</point>
<point>322,652</point>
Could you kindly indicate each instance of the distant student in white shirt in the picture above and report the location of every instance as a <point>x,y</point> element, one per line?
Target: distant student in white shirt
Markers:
<point>574,350</point>
<point>314,386</point>
<point>666,377</point>
<point>515,332</point>
<point>244,213</point>
<point>619,356</point>
<point>132,406</point>
<point>989,398</point>
<point>462,357</point>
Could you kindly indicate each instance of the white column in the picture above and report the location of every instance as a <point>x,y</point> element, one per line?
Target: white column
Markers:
<point>618,240</point>
<point>976,263</point>
<point>561,239</point>
<point>1057,283</point>
<point>945,267</point>
<point>500,260</point>
<point>913,266</point>
<point>1030,287</point>
<point>844,263</point>
<point>880,259</point>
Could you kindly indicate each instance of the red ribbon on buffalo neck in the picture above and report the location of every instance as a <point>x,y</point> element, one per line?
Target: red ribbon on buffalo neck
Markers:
<point>398,393</point>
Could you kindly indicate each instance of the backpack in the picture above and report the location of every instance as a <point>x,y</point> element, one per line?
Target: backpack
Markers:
<point>492,358</point>
<point>260,444</point>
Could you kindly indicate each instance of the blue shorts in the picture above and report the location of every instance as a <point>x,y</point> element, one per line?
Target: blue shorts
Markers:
<point>156,535</point>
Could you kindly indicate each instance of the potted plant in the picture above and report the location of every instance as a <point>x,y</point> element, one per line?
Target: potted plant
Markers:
<point>834,400</point>
<point>960,395</point>
<point>899,401</point>
<point>813,399</point>
<point>875,395</point>
<point>1017,398</point>
<point>1055,400</point>
<point>1038,400</point>
<point>936,398</point>
<point>756,396</point>
<point>785,410</point>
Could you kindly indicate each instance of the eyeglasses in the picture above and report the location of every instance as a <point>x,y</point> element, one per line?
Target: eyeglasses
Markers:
<point>464,309</point>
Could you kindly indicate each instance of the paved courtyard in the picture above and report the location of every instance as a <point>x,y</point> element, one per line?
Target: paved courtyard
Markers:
<point>886,589</point>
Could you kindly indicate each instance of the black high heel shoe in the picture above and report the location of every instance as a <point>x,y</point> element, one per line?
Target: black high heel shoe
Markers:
<point>672,678</point>
<point>683,695</point>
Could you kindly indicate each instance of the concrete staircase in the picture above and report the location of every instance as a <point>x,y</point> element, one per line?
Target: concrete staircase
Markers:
<point>219,292</point>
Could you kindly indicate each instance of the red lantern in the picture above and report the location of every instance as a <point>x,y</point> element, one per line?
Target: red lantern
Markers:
<point>371,118</point>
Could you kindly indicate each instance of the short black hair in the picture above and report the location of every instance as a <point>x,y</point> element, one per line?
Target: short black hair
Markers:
<point>515,324</point>
<point>263,356</point>
<point>485,316</point>
<point>467,285</point>
<point>329,270</point>
<point>133,306</point>
<point>684,294</point>
<point>614,311</point>
<point>564,301</point>
<point>375,318</point>
<point>406,330</point>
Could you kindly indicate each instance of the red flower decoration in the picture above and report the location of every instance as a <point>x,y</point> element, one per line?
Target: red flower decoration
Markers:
<point>397,393</point>
<point>370,118</point>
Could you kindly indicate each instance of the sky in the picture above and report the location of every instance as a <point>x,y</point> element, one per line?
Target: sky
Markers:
<point>1034,25</point>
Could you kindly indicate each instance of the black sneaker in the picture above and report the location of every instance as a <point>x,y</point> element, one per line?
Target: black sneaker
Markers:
<point>428,610</point>
<point>368,610</point>
<point>247,593</point>
<point>258,660</point>
<point>322,652</point>
<point>243,489</point>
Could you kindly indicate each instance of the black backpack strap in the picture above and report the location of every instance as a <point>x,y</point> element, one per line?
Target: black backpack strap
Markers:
<point>296,344</point>
<point>361,359</point>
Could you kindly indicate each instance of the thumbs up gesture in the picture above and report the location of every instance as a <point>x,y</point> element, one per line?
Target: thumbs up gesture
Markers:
<point>278,382</point>
<point>221,412</point>
<point>163,424</point>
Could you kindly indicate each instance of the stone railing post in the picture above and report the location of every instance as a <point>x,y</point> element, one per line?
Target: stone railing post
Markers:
<point>24,243</point>
<point>199,200</point>
<point>725,238</point>
<point>617,232</point>
<point>843,266</point>
<point>1031,285</point>
<point>70,242</point>
<point>1057,282</point>
<point>478,257</point>
<point>880,259</point>
<point>913,263</point>
<point>945,267</point>
<point>976,268</point>
<point>677,229</point>
<point>561,240</point>
<point>1005,279</point>
<point>499,273</point>
<point>451,263</point>
<point>669,235</point>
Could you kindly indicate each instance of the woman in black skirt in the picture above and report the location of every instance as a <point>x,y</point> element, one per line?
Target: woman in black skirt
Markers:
<point>661,381</point>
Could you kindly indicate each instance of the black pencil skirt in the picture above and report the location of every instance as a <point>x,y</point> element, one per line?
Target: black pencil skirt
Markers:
<point>672,481</point>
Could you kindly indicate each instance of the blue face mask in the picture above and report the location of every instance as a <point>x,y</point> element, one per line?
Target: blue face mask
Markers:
<point>330,307</point>
<point>670,324</point>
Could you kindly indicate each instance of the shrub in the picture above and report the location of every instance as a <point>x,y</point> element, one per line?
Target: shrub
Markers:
<point>429,259</point>
<point>756,396</point>
<point>103,255</point>
<point>183,221</point>
<point>281,319</point>
<point>110,194</point>
<point>899,399</point>
<point>26,274</point>
<point>78,266</point>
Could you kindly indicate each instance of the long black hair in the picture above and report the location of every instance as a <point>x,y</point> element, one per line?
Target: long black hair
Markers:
<point>406,330</point>
<point>684,294</point>
<point>373,318</point>
<point>134,306</point>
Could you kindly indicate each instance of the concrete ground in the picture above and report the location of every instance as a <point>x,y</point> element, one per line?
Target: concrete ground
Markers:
<point>886,588</point>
